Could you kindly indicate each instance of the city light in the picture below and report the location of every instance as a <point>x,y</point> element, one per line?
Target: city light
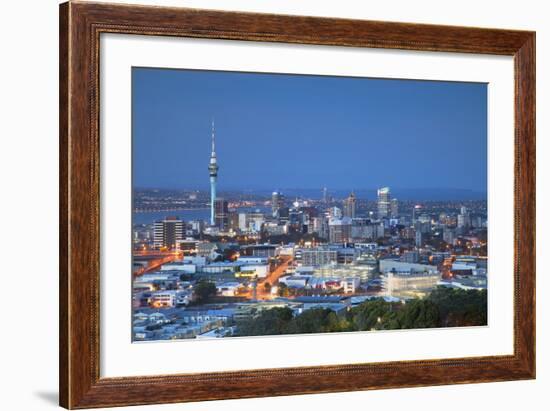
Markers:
<point>218,262</point>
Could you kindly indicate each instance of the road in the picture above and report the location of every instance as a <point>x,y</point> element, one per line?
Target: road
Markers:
<point>160,258</point>
<point>273,278</point>
<point>155,263</point>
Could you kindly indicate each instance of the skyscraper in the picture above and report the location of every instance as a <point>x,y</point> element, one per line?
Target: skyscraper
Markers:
<point>168,232</point>
<point>277,202</point>
<point>418,239</point>
<point>394,208</point>
<point>383,202</point>
<point>221,214</point>
<point>213,171</point>
<point>463,219</point>
<point>335,212</point>
<point>416,210</point>
<point>340,230</point>
<point>349,206</point>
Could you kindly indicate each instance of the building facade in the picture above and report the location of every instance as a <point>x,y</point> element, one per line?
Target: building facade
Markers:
<point>221,213</point>
<point>340,230</point>
<point>318,257</point>
<point>350,204</point>
<point>277,202</point>
<point>384,202</point>
<point>168,232</point>
<point>394,208</point>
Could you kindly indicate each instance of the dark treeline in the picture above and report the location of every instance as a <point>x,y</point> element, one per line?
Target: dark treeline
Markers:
<point>443,307</point>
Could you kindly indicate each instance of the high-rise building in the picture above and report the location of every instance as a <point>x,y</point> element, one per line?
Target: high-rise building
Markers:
<point>233,219</point>
<point>422,226</point>
<point>340,230</point>
<point>383,202</point>
<point>319,225</point>
<point>335,212</point>
<point>168,232</point>
<point>284,214</point>
<point>213,172</point>
<point>463,219</point>
<point>350,205</point>
<point>221,214</point>
<point>476,221</point>
<point>363,228</point>
<point>407,233</point>
<point>277,202</point>
<point>394,208</point>
<point>318,256</point>
<point>411,256</point>
<point>251,221</point>
<point>416,210</point>
<point>297,219</point>
<point>449,236</point>
<point>418,239</point>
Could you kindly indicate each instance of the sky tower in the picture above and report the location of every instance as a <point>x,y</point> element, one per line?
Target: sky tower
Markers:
<point>213,171</point>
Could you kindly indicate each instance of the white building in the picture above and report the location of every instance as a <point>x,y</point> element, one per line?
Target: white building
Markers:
<point>254,270</point>
<point>273,228</point>
<point>339,230</point>
<point>205,249</point>
<point>228,289</point>
<point>367,246</point>
<point>295,281</point>
<point>350,284</point>
<point>251,260</point>
<point>156,276</point>
<point>180,266</point>
<point>286,250</point>
<point>164,299</point>
<point>319,256</point>
<point>407,284</point>
<point>400,266</point>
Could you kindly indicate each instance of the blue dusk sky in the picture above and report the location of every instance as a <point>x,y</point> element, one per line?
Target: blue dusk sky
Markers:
<point>306,132</point>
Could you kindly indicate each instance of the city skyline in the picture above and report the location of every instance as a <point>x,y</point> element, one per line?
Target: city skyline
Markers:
<point>179,156</point>
<point>234,260</point>
<point>369,194</point>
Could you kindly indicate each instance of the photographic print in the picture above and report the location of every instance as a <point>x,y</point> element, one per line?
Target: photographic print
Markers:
<point>282,204</point>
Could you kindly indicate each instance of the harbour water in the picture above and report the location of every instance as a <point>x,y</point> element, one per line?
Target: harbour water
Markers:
<point>149,217</point>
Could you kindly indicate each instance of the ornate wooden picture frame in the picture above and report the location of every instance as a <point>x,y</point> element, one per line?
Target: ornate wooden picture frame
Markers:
<point>81,24</point>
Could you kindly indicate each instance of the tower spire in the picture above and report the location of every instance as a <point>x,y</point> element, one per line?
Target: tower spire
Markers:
<point>213,139</point>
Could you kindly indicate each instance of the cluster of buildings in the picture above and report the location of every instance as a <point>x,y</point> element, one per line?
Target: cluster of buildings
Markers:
<point>322,252</point>
<point>328,275</point>
<point>336,222</point>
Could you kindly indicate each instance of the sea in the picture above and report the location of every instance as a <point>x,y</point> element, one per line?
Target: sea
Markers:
<point>149,217</point>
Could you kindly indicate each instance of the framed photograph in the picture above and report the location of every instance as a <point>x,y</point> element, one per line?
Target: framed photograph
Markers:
<point>256,205</point>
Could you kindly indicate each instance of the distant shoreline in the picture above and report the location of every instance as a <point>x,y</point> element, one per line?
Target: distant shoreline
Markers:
<point>163,210</point>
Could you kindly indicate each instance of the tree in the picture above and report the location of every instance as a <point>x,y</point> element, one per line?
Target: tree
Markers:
<point>282,291</point>
<point>369,315</point>
<point>444,307</point>
<point>418,314</point>
<point>204,290</point>
<point>271,321</point>
<point>336,323</point>
<point>315,320</point>
<point>459,308</point>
